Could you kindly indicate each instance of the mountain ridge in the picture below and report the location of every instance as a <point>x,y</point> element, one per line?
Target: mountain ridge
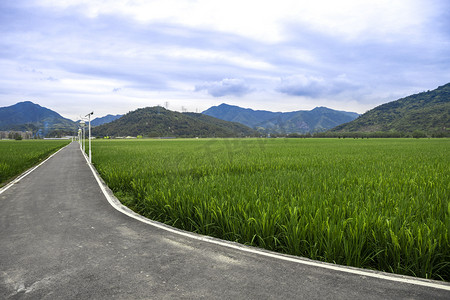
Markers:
<point>160,122</point>
<point>302,121</point>
<point>105,119</point>
<point>427,111</point>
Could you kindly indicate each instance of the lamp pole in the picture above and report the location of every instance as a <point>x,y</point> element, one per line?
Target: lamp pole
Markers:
<point>83,135</point>
<point>84,140</point>
<point>79,137</point>
<point>90,153</point>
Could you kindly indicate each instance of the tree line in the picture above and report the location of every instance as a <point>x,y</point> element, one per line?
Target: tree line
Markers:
<point>379,134</point>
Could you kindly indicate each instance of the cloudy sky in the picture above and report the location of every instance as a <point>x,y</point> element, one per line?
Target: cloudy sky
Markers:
<point>75,56</point>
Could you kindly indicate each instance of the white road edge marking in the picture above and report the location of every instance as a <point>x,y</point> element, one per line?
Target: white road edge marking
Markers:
<point>125,210</point>
<point>27,172</point>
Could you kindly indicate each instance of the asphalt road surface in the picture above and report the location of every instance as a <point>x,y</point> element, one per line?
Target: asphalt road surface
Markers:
<point>60,238</point>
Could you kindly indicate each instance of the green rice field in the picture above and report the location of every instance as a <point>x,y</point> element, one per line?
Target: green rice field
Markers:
<point>374,203</point>
<point>18,156</point>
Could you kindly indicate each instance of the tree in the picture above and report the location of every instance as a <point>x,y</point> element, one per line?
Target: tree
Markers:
<point>418,134</point>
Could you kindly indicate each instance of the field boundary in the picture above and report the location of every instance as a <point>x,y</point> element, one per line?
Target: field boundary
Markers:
<point>27,172</point>
<point>115,203</point>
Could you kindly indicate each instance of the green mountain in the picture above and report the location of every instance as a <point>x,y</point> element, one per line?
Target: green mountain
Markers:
<point>316,120</point>
<point>159,122</point>
<point>428,112</point>
<point>33,117</point>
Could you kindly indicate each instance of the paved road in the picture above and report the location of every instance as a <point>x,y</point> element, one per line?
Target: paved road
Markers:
<point>61,239</point>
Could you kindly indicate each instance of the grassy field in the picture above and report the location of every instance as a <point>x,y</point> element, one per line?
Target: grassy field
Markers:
<point>18,156</point>
<point>380,203</point>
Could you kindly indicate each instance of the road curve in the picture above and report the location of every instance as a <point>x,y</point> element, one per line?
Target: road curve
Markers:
<point>60,238</point>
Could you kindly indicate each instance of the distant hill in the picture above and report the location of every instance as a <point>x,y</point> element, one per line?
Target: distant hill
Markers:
<point>104,120</point>
<point>30,116</point>
<point>316,120</point>
<point>160,122</point>
<point>428,112</point>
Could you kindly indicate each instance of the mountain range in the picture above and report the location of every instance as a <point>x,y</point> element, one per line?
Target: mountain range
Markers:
<point>160,122</point>
<point>428,112</point>
<point>303,121</point>
<point>45,122</point>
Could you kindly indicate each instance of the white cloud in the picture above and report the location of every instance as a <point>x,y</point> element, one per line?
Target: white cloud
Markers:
<point>219,57</point>
<point>225,87</point>
<point>265,20</point>
<point>302,85</point>
<point>314,86</point>
<point>356,19</point>
<point>275,55</point>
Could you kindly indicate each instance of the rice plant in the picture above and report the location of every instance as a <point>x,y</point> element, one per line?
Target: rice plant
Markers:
<point>18,156</point>
<point>380,204</point>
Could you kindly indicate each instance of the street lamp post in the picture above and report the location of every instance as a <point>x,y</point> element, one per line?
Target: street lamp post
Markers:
<point>83,135</point>
<point>89,118</point>
<point>79,137</point>
<point>83,124</point>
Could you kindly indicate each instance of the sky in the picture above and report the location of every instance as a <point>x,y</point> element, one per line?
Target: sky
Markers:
<point>112,57</point>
